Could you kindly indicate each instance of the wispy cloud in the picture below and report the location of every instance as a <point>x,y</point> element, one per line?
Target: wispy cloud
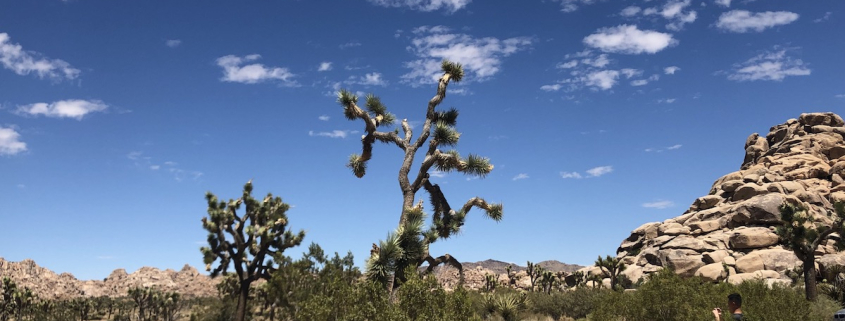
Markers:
<point>332,134</point>
<point>169,167</point>
<point>671,70</point>
<point>10,142</point>
<point>25,62</point>
<point>659,204</point>
<point>666,100</point>
<point>235,70</point>
<point>173,43</point>
<point>586,69</point>
<point>481,57</point>
<point>628,39</point>
<point>723,3</point>
<point>350,45</point>
<point>438,174</point>
<point>450,6</point>
<point>592,172</point>
<point>325,66</point>
<point>660,150</point>
<point>324,117</point>
<point>520,176</point>
<point>826,17</point>
<point>370,79</point>
<point>772,65</point>
<point>573,5</point>
<point>742,21</point>
<point>74,108</point>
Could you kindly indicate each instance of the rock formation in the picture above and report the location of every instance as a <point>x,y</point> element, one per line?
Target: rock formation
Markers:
<point>475,273</point>
<point>48,284</point>
<point>801,161</point>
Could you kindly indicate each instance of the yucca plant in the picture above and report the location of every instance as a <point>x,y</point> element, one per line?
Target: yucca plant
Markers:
<point>507,305</point>
<point>248,241</point>
<point>611,267</point>
<point>408,245</point>
<point>802,233</point>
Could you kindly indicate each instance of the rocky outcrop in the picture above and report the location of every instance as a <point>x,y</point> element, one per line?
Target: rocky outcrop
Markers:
<point>475,273</point>
<point>47,284</point>
<point>729,233</point>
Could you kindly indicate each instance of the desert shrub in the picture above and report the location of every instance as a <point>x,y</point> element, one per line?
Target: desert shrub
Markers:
<point>422,298</point>
<point>666,296</point>
<point>823,308</point>
<point>576,303</point>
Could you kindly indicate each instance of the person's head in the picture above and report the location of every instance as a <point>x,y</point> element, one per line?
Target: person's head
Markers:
<point>734,301</point>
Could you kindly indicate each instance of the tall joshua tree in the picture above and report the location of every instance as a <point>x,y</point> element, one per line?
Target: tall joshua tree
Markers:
<point>802,233</point>
<point>611,267</point>
<point>408,245</point>
<point>246,240</point>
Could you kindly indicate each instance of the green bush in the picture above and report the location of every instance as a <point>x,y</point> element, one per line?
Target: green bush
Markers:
<point>666,296</point>
<point>576,303</point>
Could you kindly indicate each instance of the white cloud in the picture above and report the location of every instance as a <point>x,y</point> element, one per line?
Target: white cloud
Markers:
<point>570,175</point>
<point>674,11</point>
<point>628,39</point>
<point>639,82</point>
<point>666,100</point>
<point>155,167</point>
<point>350,45</point>
<point>676,146</point>
<point>332,134</point>
<point>73,108</point>
<point>568,65</point>
<point>771,65</point>
<point>324,117</point>
<point>724,3</point>
<point>603,80</point>
<point>629,72</point>
<point>659,205</point>
<point>599,171</point>
<point>630,11</point>
<point>234,70</point>
<point>325,66</point>
<point>824,18</point>
<point>599,62</point>
<point>173,43</point>
<point>370,79</point>
<point>438,174</point>
<point>742,21</point>
<point>572,5</point>
<point>840,96</point>
<point>671,70</point>
<point>22,62</point>
<point>424,5</point>
<point>481,57</point>
<point>10,142</point>
<point>520,176</point>
<point>554,87</point>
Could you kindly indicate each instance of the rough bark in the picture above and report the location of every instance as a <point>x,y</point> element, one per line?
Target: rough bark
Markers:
<point>810,289</point>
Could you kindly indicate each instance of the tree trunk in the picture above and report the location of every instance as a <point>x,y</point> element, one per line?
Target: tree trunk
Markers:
<point>810,277</point>
<point>243,296</point>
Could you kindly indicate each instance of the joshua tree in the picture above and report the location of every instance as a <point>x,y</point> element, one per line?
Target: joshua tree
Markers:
<point>408,246</point>
<point>511,276</point>
<point>534,273</point>
<point>611,267</point>
<point>8,288</point>
<point>547,281</point>
<point>257,235</point>
<point>802,233</point>
<point>490,282</point>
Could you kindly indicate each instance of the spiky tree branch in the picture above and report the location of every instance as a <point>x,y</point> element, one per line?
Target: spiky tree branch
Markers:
<point>408,245</point>
<point>802,233</point>
<point>249,242</point>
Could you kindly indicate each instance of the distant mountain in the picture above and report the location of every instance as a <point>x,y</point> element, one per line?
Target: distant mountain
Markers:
<point>47,284</point>
<point>500,267</point>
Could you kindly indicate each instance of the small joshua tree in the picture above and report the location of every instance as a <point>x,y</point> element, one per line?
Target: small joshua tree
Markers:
<point>408,245</point>
<point>802,233</point>
<point>250,241</point>
<point>611,267</point>
<point>534,272</point>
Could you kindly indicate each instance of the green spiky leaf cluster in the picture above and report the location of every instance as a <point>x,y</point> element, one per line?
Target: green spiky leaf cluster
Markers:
<point>357,165</point>
<point>799,230</point>
<point>472,165</point>
<point>246,239</point>
<point>400,250</point>
<point>453,68</point>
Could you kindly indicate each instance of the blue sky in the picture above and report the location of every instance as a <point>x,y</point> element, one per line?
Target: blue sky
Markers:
<point>117,116</point>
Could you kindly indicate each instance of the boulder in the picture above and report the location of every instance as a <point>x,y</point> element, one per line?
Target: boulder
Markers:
<point>713,272</point>
<point>683,262</point>
<point>753,238</point>
<point>715,256</point>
